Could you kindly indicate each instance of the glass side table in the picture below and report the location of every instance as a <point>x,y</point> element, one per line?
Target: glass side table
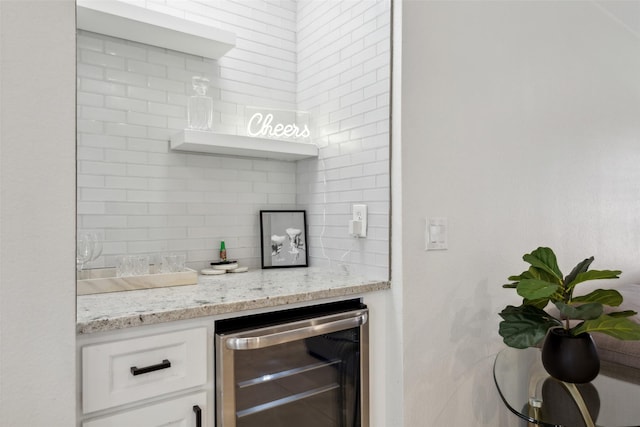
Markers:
<point>611,400</point>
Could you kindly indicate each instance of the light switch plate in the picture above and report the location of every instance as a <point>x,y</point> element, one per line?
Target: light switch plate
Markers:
<point>436,234</point>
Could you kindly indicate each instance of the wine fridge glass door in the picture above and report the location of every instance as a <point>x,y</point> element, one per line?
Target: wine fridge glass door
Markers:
<point>309,373</point>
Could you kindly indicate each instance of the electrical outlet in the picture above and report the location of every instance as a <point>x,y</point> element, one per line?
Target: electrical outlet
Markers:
<point>360,215</point>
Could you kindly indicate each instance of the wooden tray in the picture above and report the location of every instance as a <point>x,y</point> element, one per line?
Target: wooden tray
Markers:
<point>102,280</point>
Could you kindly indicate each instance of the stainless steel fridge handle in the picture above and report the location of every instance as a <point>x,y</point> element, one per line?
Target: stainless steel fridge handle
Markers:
<point>281,337</point>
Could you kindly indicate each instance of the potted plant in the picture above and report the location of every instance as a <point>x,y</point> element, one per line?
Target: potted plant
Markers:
<point>569,330</point>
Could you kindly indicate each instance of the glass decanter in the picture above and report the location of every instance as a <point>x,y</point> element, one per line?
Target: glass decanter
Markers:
<point>200,112</point>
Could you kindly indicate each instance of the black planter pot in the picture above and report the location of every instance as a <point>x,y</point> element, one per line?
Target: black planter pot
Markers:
<point>572,359</point>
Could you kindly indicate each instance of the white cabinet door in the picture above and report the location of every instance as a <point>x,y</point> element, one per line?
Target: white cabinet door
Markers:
<point>125,371</point>
<point>186,411</point>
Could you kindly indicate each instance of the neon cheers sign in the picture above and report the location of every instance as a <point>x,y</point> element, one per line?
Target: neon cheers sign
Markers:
<point>264,125</point>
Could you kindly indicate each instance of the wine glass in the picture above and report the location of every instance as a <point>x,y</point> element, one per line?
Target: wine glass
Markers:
<point>84,250</point>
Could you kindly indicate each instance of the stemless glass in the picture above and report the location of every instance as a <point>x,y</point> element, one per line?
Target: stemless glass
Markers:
<point>140,265</point>
<point>96,246</point>
<point>124,266</point>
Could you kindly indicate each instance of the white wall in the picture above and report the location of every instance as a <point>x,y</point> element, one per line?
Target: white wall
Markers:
<point>133,97</point>
<point>37,222</point>
<point>519,124</point>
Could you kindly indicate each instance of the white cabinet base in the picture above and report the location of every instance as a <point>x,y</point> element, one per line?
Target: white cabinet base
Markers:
<point>177,412</point>
<point>125,371</point>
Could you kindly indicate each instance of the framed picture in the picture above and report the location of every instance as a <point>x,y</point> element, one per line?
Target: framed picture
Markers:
<point>283,239</point>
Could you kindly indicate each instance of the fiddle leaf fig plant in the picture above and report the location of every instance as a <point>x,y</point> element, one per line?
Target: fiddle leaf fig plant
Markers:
<point>543,283</point>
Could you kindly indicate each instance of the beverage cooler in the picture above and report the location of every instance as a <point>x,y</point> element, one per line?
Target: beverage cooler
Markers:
<point>300,367</point>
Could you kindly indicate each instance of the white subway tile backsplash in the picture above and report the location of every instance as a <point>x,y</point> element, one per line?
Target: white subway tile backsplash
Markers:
<point>365,106</point>
<point>146,94</point>
<point>102,114</point>
<point>381,113</point>
<point>90,180</point>
<point>185,172</point>
<point>168,209</point>
<point>147,196</point>
<point>351,127</point>
<point>352,122</point>
<point>146,68</point>
<point>89,41</point>
<point>186,220</point>
<point>132,98</point>
<point>151,120</point>
<point>162,184</point>
<point>90,99</point>
<point>104,221</point>
<point>119,234</point>
<point>222,198</point>
<point>97,58</point>
<point>146,221</point>
<point>126,77</point>
<point>162,109</point>
<point>125,129</point>
<point>101,168</point>
<point>90,71</point>
<point>166,85</point>
<point>363,130</point>
<point>87,208</point>
<point>102,195</point>
<point>116,47</point>
<point>126,182</point>
<point>126,208</point>
<point>167,233</point>
<point>364,182</point>
<point>101,87</point>
<point>147,246</point>
<point>89,153</point>
<point>363,158</point>
<point>124,104</point>
<point>169,58</point>
<point>377,194</point>
<point>173,125</point>
<point>281,199</point>
<point>253,198</point>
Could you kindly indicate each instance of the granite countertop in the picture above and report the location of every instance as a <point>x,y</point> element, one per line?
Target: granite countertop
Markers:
<point>220,294</point>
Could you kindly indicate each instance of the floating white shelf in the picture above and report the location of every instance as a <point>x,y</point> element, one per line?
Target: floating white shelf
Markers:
<point>243,146</point>
<point>126,21</point>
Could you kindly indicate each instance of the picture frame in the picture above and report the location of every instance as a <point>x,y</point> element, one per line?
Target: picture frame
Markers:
<point>283,238</point>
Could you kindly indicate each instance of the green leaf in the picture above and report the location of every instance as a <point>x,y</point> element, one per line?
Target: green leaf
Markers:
<point>524,326</point>
<point>580,268</point>
<point>621,328</point>
<point>581,312</point>
<point>510,285</point>
<point>539,303</point>
<point>533,289</point>
<point>624,313</point>
<point>544,259</point>
<point>523,275</point>
<point>594,275</point>
<point>609,297</point>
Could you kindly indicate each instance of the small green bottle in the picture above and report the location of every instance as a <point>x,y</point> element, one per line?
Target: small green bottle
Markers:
<point>223,251</point>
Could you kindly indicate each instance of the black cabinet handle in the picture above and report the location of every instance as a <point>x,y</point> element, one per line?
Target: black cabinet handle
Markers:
<point>138,371</point>
<point>198,412</point>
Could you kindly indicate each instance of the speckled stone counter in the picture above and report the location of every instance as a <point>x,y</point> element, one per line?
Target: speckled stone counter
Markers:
<point>227,293</point>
